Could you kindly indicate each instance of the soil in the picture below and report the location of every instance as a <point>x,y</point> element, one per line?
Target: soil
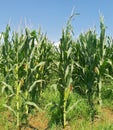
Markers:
<point>106,116</point>
<point>40,120</point>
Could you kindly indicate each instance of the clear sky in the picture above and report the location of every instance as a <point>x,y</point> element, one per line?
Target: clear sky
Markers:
<point>52,15</point>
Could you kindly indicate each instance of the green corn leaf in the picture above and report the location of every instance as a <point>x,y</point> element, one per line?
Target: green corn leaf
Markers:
<point>67,92</point>
<point>109,61</point>
<point>12,67</point>
<point>10,96</point>
<point>6,106</point>
<point>38,65</point>
<point>56,63</point>
<point>41,64</point>
<point>108,76</point>
<point>32,53</point>
<point>72,67</point>
<point>21,48</point>
<point>33,33</point>
<point>54,106</point>
<point>33,85</point>
<point>49,104</point>
<point>69,52</point>
<point>6,86</point>
<point>21,63</point>
<point>78,65</point>
<point>67,72</point>
<point>73,106</point>
<point>69,81</point>
<point>33,104</point>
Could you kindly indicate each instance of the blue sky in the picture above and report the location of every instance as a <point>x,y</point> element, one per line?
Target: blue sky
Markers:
<point>52,15</point>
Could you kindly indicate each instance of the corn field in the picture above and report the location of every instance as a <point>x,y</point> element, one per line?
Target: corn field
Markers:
<point>30,63</point>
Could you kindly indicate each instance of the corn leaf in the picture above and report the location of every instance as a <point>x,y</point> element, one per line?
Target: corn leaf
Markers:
<point>7,86</point>
<point>33,104</point>
<point>6,106</point>
<point>33,85</point>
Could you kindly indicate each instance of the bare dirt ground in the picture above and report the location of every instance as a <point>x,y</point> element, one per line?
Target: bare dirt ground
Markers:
<point>40,120</point>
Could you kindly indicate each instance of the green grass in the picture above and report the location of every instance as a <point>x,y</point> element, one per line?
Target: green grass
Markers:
<point>78,118</point>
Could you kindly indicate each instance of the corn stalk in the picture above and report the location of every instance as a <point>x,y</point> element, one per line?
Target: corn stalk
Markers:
<point>64,68</point>
<point>86,65</point>
<point>18,65</point>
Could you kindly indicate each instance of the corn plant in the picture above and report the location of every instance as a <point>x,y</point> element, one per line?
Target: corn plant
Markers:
<point>19,69</point>
<point>102,62</point>
<point>44,55</point>
<point>86,65</point>
<point>91,65</point>
<point>29,63</point>
<point>5,56</point>
<point>64,68</point>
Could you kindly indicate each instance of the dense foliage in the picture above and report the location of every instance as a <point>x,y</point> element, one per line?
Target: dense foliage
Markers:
<point>30,63</point>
